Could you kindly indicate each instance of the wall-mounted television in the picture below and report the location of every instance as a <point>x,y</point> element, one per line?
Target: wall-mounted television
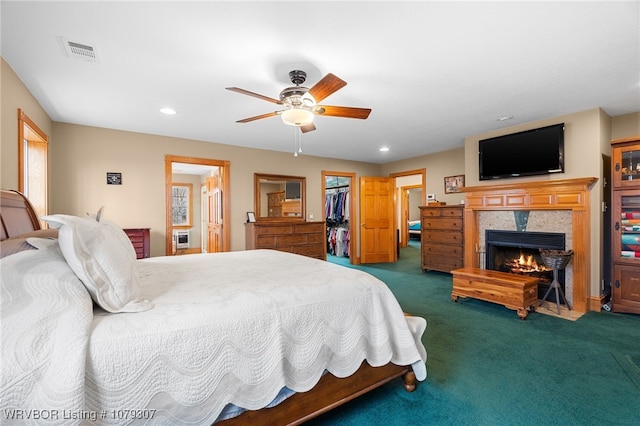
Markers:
<point>532,152</point>
<point>292,190</point>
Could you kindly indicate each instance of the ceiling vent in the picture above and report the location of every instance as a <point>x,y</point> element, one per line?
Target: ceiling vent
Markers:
<point>80,51</point>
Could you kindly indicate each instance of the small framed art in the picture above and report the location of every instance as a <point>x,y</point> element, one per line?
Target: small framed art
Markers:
<point>251,217</point>
<point>114,178</point>
<point>453,184</point>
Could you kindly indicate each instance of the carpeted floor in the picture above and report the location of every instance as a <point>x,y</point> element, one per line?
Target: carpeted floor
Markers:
<point>487,367</point>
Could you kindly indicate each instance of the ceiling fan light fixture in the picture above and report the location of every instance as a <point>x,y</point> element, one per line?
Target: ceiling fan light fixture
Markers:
<point>300,103</point>
<point>297,117</point>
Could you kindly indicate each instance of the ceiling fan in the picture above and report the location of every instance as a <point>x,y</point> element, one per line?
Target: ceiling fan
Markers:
<point>301,102</point>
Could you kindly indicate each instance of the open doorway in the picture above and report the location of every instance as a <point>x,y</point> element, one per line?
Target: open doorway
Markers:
<point>411,199</point>
<point>197,203</point>
<point>411,194</point>
<point>338,214</point>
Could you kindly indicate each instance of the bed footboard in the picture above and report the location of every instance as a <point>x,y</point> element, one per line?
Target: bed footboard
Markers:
<point>329,393</point>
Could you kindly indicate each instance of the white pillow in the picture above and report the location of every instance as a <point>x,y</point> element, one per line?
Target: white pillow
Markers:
<point>102,256</point>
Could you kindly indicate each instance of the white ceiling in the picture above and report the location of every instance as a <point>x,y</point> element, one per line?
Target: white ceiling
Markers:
<point>432,72</point>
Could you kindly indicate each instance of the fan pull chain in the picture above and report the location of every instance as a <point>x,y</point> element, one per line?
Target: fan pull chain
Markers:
<point>297,141</point>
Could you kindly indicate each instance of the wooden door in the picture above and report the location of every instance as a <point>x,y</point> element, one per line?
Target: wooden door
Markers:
<point>377,239</point>
<point>214,214</point>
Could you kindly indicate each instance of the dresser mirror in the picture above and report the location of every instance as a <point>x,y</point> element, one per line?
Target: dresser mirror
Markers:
<point>279,197</point>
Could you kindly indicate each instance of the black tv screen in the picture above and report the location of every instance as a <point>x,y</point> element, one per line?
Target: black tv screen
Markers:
<point>292,190</point>
<point>532,152</point>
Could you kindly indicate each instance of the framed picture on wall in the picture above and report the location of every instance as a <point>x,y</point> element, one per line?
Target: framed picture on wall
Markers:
<point>453,184</point>
<point>182,205</point>
<point>114,178</point>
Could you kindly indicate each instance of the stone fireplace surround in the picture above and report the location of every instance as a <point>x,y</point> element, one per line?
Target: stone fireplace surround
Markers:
<point>554,206</point>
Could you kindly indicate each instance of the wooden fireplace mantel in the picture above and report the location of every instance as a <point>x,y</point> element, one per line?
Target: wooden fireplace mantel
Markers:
<point>565,194</point>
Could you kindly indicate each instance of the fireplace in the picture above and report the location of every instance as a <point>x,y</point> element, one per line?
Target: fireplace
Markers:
<point>562,205</point>
<point>518,252</point>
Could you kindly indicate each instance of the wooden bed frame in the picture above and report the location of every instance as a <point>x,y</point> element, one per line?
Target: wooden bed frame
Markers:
<point>17,217</point>
<point>414,234</point>
<point>330,392</point>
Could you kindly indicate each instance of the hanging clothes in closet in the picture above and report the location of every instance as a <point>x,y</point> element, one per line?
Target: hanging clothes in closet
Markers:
<point>337,214</point>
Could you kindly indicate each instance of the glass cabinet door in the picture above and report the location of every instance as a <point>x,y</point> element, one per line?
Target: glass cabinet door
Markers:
<point>627,228</point>
<point>626,169</point>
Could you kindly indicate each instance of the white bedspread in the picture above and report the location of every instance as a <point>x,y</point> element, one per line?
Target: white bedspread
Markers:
<point>226,328</point>
<point>46,316</point>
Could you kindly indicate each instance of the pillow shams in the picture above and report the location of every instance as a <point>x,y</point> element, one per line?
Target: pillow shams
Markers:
<point>102,256</point>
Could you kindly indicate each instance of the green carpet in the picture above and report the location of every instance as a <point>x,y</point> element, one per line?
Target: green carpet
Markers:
<point>487,367</point>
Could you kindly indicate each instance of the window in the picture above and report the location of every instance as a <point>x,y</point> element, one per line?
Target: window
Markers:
<point>33,148</point>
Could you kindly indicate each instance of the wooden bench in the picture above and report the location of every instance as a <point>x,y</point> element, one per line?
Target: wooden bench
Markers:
<point>517,292</point>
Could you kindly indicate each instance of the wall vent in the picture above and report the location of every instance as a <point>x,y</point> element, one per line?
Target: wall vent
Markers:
<point>81,51</point>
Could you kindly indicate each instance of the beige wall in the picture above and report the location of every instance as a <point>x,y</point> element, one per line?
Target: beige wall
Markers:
<point>83,155</point>
<point>625,126</point>
<point>14,95</point>
<point>438,166</point>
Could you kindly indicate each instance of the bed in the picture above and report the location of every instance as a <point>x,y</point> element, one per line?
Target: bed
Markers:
<point>414,229</point>
<point>226,338</point>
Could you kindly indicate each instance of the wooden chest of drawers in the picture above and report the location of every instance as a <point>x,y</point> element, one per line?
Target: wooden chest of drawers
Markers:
<point>305,238</point>
<point>140,239</point>
<point>442,237</point>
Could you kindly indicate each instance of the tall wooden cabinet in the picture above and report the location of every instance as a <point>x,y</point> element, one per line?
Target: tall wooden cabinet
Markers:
<point>305,238</point>
<point>442,237</point>
<point>625,230</point>
<point>279,206</point>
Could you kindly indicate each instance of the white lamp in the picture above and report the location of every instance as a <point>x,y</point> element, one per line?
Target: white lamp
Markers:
<point>297,117</point>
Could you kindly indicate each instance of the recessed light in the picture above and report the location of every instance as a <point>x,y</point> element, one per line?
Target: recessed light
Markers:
<point>504,118</point>
<point>384,149</point>
<point>168,111</point>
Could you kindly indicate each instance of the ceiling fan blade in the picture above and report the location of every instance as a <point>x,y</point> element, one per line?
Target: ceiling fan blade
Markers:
<point>255,95</point>
<point>340,111</point>
<point>308,128</point>
<point>258,117</point>
<point>328,85</point>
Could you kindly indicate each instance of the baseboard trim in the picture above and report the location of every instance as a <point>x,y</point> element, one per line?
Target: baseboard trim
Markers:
<point>595,303</point>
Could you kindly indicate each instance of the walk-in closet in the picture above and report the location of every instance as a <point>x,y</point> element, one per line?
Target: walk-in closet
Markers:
<point>337,214</point>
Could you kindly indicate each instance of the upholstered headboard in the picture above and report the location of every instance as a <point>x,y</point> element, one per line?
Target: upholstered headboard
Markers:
<point>17,215</point>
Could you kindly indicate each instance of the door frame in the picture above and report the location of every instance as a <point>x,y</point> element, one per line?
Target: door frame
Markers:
<point>405,205</point>
<point>32,138</point>
<point>224,166</point>
<point>204,218</point>
<point>423,175</point>
<point>353,259</point>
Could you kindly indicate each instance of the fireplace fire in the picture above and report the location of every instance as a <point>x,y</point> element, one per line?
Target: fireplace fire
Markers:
<point>525,264</point>
<point>518,252</point>
<point>519,260</point>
